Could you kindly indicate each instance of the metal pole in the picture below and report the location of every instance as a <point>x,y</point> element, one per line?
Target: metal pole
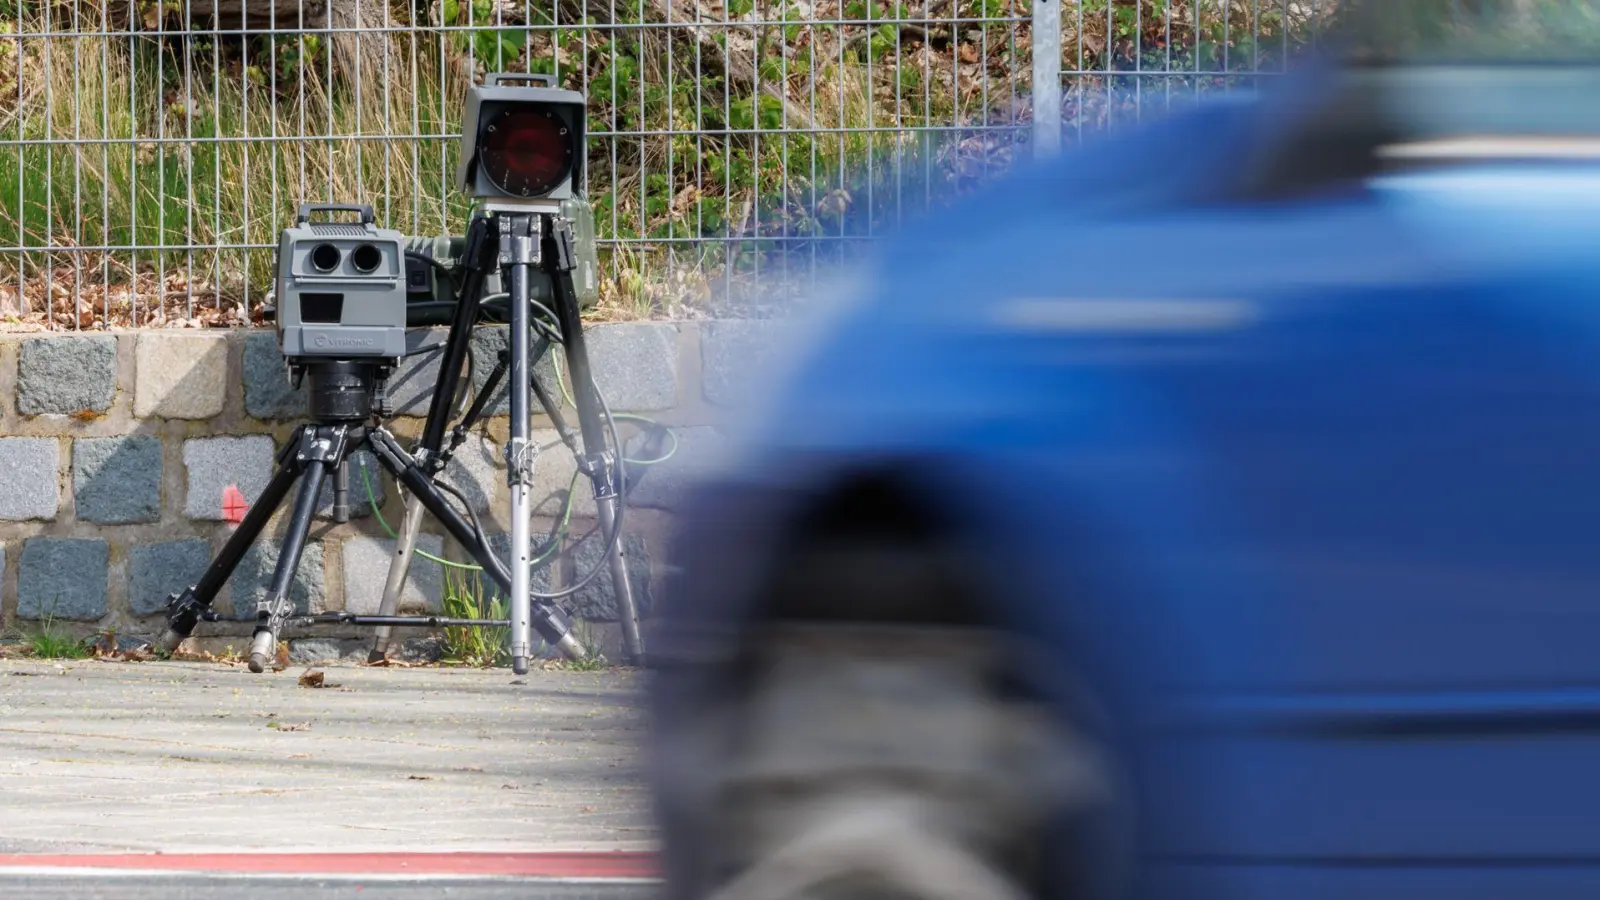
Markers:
<point>1047,78</point>
<point>399,566</point>
<point>276,606</point>
<point>520,252</point>
<point>627,608</point>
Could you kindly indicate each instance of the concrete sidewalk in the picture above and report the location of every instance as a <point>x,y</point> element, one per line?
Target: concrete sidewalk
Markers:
<point>204,757</point>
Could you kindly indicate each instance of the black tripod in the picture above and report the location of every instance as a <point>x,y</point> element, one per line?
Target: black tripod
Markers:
<point>347,402</point>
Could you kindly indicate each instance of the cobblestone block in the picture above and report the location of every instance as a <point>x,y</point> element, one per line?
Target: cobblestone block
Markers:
<point>419,650</point>
<point>30,479</point>
<point>663,485</point>
<point>730,351</point>
<point>366,571</point>
<point>598,600</point>
<point>267,392</point>
<point>552,475</point>
<point>635,365</point>
<point>411,385</point>
<point>214,463</point>
<point>63,578</point>
<point>360,505</point>
<point>478,471</point>
<point>66,375</point>
<point>254,575</point>
<point>117,480</point>
<point>157,571</point>
<point>310,651</point>
<point>180,375</point>
<point>486,346</point>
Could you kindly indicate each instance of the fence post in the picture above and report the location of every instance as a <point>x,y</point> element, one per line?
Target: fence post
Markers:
<point>1046,78</point>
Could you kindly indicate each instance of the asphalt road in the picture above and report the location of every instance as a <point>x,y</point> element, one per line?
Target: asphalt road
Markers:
<point>384,783</point>
<point>117,757</point>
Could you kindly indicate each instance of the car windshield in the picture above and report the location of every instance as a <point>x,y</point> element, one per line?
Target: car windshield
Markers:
<point>1472,31</point>
<point>1453,68</point>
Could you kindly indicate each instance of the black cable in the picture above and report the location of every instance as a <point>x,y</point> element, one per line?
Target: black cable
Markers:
<point>443,269</point>
<point>622,504</point>
<point>425,348</point>
<point>472,514</point>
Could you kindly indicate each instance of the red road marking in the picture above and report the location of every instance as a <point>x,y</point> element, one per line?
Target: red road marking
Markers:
<point>619,865</point>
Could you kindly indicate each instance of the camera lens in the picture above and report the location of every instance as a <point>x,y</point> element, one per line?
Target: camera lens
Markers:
<point>527,151</point>
<point>366,258</point>
<point>325,257</point>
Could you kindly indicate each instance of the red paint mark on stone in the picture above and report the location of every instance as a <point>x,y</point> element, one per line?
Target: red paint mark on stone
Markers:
<point>597,865</point>
<point>233,505</point>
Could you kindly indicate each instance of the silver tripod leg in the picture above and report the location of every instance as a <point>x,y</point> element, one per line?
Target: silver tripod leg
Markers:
<point>399,567</point>
<point>516,231</point>
<point>627,610</point>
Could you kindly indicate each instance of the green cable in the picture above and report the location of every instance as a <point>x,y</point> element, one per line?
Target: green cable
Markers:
<point>623,417</point>
<point>372,500</point>
<point>561,527</point>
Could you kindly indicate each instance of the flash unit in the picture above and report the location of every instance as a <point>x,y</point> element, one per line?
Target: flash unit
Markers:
<point>522,139</point>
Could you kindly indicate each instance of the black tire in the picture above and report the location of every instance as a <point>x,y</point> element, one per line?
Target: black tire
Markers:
<point>870,662</point>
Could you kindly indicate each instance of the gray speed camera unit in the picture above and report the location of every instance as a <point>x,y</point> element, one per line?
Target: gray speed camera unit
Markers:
<point>341,288</point>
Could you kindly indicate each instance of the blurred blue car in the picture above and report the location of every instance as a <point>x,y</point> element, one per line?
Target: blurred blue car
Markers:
<point>1211,513</point>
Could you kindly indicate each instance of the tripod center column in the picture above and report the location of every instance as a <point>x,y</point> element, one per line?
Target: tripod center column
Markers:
<point>520,233</point>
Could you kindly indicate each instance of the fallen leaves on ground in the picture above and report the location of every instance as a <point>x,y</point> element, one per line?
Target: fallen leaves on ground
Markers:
<point>80,298</point>
<point>231,659</point>
<point>286,726</point>
<point>106,649</point>
<point>314,678</point>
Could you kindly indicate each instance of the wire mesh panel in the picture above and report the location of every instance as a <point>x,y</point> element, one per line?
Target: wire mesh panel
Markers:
<point>1127,60</point>
<point>151,150</point>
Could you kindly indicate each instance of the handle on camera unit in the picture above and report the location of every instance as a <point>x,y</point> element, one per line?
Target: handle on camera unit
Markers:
<point>306,210</point>
<point>498,78</point>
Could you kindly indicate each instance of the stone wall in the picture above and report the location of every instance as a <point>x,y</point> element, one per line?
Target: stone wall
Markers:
<point>116,451</point>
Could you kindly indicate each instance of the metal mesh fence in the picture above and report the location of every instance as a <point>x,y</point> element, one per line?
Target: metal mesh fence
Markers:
<point>150,150</point>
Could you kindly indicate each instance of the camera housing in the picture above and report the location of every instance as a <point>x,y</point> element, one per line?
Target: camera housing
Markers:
<point>523,138</point>
<point>341,287</point>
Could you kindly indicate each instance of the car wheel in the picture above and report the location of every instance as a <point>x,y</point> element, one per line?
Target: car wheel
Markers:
<point>878,744</point>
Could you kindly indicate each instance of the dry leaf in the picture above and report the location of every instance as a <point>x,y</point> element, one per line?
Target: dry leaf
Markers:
<point>281,726</point>
<point>420,777</point>
<point>313,678</point>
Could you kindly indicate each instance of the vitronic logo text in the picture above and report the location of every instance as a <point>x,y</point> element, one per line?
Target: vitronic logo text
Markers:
<point>323,340</point>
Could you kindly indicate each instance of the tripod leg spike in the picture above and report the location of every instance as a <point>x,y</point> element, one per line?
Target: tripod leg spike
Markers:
<point>263,648</point>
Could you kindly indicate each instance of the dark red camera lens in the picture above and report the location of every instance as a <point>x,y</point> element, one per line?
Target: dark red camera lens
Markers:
<point>526,151</point>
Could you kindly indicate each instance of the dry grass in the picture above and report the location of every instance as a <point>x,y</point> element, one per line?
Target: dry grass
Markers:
<point>721,157</point>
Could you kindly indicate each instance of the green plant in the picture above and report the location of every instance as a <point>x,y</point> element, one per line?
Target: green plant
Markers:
<point>498,48</point>
<point>464,598</point>
<point>47,641</point>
